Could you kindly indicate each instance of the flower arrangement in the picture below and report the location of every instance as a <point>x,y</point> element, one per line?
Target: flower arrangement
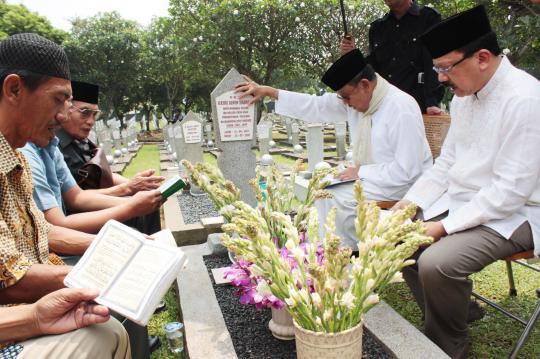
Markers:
<point>283,260</point>
<point>332,294</point>
<point>277,196</point>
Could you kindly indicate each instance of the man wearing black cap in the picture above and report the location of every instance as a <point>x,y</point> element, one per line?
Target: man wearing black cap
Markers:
<point>35,93</point>
<point>56,192</point>
<point>390,149</point>
<point>78,150</point>
<point>397,54</point>
<point>486,179</point>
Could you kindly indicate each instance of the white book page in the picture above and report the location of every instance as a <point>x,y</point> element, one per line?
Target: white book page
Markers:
<point>334,180</point>
<point>137,279</point>
<point>106,260</point>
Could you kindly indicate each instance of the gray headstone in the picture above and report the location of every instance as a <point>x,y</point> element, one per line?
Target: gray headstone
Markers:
<point>170,133</point>
<point>143,124</point>
<point>234,123</point>
<point>295,130</point>
<point>193,138</point>
<point>178,140</point>
<point>262,136</point>
<point>124,136</point>
<point>116,139</point>
<point>288,125</point>
<point>208,131</point>
<point>92,136</point>
<point>105,140</point>
<point>315,144</point>
<point>341,138</point>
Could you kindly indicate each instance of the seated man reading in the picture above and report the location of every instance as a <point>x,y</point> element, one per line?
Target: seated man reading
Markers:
<point>35,92</point>
<point>486,181</point>
<point>78,150</point>
<point>390,149</point>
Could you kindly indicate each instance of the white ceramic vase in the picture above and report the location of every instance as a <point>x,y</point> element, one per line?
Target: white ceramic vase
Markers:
<point>281,325</point>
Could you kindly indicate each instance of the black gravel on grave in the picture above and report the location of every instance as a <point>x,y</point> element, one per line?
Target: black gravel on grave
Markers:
<point>196,207</point>
<point>248,326</point>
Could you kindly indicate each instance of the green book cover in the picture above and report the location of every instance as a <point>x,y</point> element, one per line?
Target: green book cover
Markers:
<point>171,186</point>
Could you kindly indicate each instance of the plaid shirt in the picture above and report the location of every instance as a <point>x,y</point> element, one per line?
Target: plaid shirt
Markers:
<point>23,228</point>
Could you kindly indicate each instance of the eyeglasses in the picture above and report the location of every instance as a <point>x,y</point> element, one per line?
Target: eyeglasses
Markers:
<point>86,112</point>
<point>347,97</point>
<point>445,70</point>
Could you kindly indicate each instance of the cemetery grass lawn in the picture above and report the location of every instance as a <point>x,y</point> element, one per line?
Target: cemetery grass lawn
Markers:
<point>146,158</point>
<point>495,335</point>
<point>211,159</point>
<point>155,326</point>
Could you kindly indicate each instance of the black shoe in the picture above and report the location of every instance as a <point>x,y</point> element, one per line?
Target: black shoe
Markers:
<point>162,306</point>
<point>153,342</point>
<point>476,312</point>
<point>463,351</point>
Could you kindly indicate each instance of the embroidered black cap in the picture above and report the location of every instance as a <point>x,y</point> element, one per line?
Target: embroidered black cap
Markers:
<point>344,70</point>
<point>85,92</point>
<point>34,53</point>
<point>457,31</point>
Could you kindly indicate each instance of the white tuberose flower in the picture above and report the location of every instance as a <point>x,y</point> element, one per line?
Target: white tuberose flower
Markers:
<point>397,278</point>
<point>348,300</point>
<point>372,299</point>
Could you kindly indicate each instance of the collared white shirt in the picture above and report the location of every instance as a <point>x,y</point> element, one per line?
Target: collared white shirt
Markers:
<point>400,152</point>
<point>490,161</point>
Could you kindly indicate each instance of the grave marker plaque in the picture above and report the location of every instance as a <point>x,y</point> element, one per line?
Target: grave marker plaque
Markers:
<point>234,124</point>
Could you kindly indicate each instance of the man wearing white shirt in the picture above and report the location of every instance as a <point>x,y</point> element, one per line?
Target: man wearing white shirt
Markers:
<point>390,149</point>
<point>486,179</point>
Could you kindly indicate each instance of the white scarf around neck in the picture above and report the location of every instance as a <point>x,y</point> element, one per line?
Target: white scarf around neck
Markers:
<point>362,144</point>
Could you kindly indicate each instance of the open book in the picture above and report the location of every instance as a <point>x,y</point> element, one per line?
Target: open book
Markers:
<point>131,272</point>
<point>171,186</point>
<point>335,181</point>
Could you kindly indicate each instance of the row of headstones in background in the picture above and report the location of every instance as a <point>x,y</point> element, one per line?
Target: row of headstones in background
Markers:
<point>185,138</point>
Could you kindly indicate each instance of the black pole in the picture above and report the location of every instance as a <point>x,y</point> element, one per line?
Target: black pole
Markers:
<point>345,28</point>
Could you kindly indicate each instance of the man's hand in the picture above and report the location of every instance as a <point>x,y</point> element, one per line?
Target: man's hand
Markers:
<point>435,230</point>
<point>404,203</point>
<point>347,44</point>
<point>145,202</point>
<point>350,173</point>
<point>251,88</point>
<point>434,111</point>
<point>144,181</point>
<point>68,309</point>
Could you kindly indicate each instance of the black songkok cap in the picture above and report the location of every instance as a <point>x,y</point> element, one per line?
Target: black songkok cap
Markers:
<point>85,92</point>
<point>344,70</point>
<point>456,31</point>
<point>34,53</point>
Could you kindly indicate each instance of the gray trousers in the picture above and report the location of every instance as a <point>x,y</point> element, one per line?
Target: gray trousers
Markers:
<point>440,280</point>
